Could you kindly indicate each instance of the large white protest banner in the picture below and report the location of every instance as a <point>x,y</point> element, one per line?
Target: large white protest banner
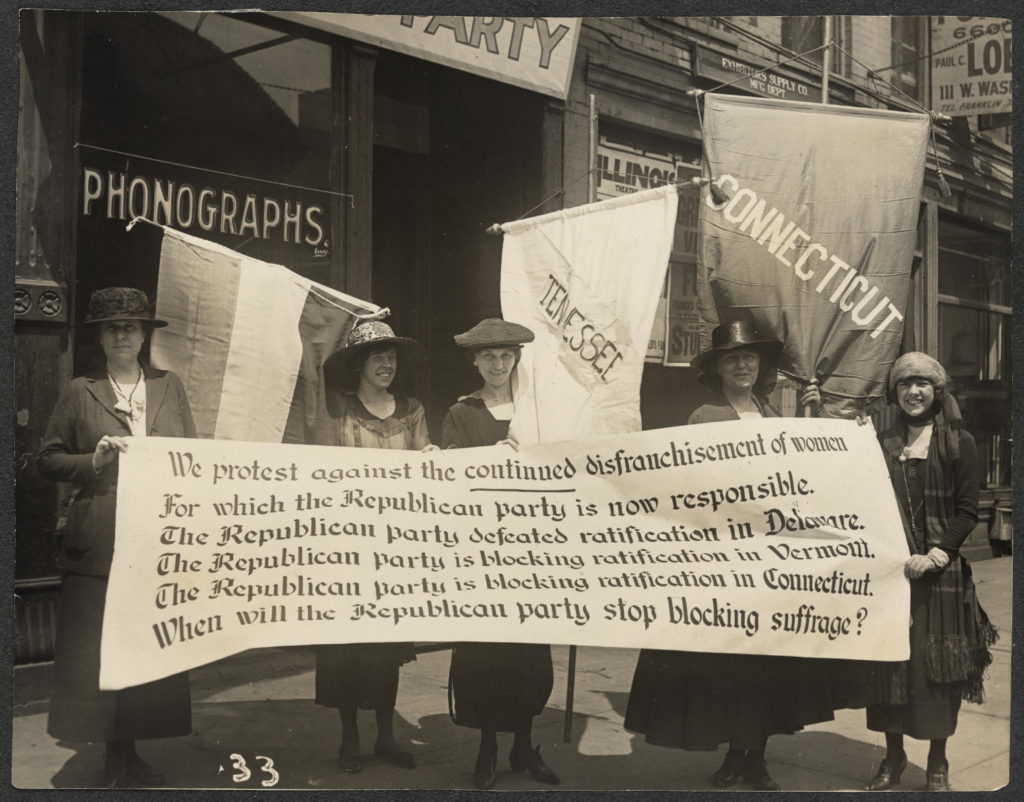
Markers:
<point>586,281</point>
<point>735,537</point>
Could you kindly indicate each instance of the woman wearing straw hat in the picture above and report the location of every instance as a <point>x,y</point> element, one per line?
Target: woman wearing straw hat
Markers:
<point>496,687</point>
<point>94,422</point>
<point>695,700</point>
<point>933,465</point>
<point>363,412</point>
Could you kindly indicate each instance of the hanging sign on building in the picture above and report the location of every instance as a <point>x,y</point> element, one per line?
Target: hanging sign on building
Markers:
<point>810,233</point>
<point>971,65</point>
<point>727,68</point>
<point>268,220</point>
<point>535,53</point>
<point>623,169</point>
<point>199,204</point>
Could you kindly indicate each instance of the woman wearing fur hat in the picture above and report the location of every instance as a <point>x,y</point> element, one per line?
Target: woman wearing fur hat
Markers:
<point>363,412</point>
<point>696,700</point>
<point>933,466</point>
<point>496,687</point>
<point>92,424</point>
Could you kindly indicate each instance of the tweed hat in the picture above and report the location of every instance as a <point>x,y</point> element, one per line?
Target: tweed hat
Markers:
<point>365,336</point>
<point>120,303</point>
<point>494,332</point>
<point>733,335</point>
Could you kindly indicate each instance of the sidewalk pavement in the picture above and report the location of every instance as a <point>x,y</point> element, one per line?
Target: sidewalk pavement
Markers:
<point>259,703</point>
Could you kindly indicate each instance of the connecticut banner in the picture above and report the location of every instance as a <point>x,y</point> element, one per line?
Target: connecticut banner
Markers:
<point>247,338</point>
<point>743,537</point>
<point>808,229</point>
<point>586,281</point>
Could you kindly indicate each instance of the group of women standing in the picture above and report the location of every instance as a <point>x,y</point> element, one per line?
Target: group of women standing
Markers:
<point>495,687</point>
<point>681,699</point>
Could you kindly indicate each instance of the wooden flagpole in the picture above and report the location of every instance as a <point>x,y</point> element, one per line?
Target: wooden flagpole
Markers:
<point>826,55</point>
<point>570,680</point>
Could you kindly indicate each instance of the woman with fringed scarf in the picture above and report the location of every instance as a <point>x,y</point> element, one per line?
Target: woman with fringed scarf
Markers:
<point>933,465</point>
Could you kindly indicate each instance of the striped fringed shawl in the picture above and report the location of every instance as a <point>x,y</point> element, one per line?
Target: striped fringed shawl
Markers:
<point>959,632</point>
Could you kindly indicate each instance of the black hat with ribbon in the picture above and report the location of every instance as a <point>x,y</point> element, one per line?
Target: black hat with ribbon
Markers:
<point>730,336</point>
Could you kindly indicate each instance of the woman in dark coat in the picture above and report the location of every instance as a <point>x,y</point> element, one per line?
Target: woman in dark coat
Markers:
<point>362,412</point>
<point>933,465</point>
<point>496,687</point>
<point>93,422</point>
<point>696,700</point>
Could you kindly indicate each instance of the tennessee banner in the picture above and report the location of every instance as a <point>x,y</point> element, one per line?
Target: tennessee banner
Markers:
<point>808,229</point>
<point>246,337</point>
<point>743,537</point>
<point>586,281</point>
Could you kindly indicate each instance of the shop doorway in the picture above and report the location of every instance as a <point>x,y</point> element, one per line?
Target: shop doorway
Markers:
<point>454,154</point>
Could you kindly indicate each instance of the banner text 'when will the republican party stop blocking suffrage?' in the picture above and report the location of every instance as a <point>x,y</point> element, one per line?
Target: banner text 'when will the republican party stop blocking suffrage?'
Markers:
<point>743,537</point>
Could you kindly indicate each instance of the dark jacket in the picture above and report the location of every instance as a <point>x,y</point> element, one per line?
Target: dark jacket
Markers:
<point>83,415</point>
<point>723,411</point>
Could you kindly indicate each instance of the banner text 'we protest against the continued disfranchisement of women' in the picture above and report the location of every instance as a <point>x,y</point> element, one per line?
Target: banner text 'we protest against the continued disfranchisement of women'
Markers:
<point>747,537</point>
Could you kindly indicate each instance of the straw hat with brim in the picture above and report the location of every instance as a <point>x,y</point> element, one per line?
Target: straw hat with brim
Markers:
<point>729,337</point>
<point>372,333</point>
<point>494,332</point>
<point>120,303</point>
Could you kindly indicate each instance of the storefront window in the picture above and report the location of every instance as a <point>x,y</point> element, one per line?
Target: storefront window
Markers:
<point>630,161</point>
<point>975,338</point>
<point>801,34</point>
<point>210,125</point>
<point>907,49</point>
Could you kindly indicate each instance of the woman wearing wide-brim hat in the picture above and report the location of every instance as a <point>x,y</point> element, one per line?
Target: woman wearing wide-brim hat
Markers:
<point>496,687</point>
<point>92,423</point>
<point>697,700</point>
<point>363,412</point>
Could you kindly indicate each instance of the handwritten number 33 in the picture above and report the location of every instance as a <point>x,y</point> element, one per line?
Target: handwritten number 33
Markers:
<point>243,773</point>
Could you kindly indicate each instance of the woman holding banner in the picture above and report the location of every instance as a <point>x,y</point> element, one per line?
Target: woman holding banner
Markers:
<point>496,687</point>
<point>932,462</point>
<point>94,422</point>
<point>695,700</point>
<point>362,412</point>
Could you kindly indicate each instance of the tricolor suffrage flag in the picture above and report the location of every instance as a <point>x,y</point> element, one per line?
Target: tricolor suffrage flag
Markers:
<point>586,281</point>
<point>744,537</point>
<point>246,337</point>
<point>810,233</point>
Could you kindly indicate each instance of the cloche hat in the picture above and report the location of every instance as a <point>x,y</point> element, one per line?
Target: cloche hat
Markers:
<point>120,303</point>
<point>494,332</point>
<point>367,335</point>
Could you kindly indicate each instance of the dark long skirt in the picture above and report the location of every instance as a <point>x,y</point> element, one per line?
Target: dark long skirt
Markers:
<point>364,674</point>
<point>696,701</point>
<point>932,708</point>
<point>499,686</point>
<point>79,710</point>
